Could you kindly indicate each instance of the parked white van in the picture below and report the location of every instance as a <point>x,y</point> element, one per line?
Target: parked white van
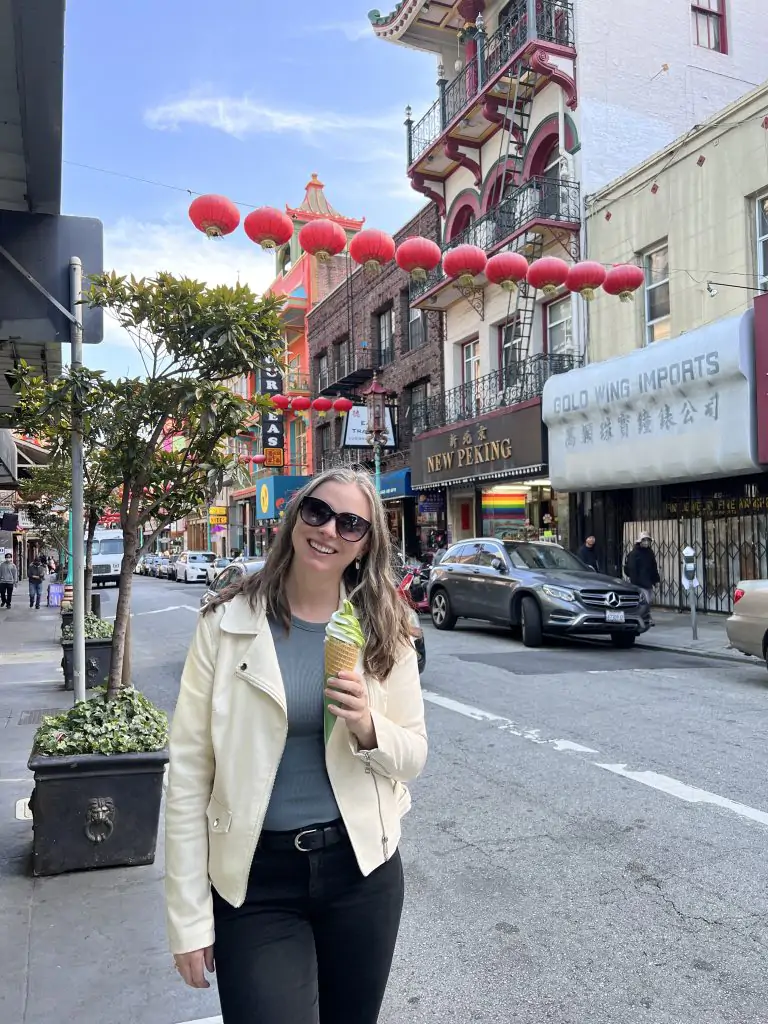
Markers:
<point>107,556</point>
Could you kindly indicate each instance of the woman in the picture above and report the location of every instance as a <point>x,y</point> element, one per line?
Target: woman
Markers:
<point>282,867</point>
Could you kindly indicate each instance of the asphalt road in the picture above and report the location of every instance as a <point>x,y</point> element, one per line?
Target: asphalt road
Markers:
<point>587,844</point>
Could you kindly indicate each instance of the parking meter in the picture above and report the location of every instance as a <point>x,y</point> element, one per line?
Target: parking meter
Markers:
<point>690,584</point>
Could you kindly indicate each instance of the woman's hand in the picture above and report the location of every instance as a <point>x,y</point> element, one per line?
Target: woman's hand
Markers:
<point>192,966</point>
<point>349,692</point>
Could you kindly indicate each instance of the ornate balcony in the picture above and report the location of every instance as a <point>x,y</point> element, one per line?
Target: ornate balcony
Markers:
<point>296,382</point>
<point>496,390</point>
<point>509,64</point>
<point>550,205</point>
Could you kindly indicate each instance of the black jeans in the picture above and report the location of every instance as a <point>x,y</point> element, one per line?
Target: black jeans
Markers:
<point>6,593</point>
<point>313,941</point>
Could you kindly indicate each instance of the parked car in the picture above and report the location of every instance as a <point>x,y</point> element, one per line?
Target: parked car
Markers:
<point>747,627</point>
<point>172,567</point>
<point>139,567</point>
<point>231,574</point>
<point>540,588</point>
<point>149,564</point>
<point>163,564</point>
<point>213,569</point>
<point>192,566</point>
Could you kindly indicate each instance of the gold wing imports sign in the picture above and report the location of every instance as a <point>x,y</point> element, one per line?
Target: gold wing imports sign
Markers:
<point>217,515</point>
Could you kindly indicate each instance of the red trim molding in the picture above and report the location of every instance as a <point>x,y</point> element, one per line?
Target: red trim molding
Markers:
<point>452,152</point>
<point>540,61</point>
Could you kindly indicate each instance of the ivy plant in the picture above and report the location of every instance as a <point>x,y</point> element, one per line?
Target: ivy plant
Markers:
<point>95,629</point>
<point>128,723</point>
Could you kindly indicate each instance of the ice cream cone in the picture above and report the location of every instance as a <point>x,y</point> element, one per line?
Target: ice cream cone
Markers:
<point>343,643</point>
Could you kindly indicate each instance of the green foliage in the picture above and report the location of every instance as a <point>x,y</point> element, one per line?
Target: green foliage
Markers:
<point>129,723</point>
<point>95,629</point>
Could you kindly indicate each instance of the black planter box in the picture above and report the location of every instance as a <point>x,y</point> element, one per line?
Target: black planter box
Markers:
<point>67,618</point>
<point>95,810</point>
<point>98,655</point>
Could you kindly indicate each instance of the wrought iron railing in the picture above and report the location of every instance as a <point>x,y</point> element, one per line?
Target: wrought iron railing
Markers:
<point>346,361</point>
<point>496,390</point>
<point>554,24</point>
<point>536,200</point>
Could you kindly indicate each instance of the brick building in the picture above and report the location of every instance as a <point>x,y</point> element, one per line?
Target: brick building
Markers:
<point>366,327</point>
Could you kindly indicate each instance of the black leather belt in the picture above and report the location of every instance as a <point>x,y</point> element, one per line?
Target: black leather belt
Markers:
<point>306,840</point>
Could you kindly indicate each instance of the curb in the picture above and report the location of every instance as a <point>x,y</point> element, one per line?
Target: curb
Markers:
<point>711,655</point>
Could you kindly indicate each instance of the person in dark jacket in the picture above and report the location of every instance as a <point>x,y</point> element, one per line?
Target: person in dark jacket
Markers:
<point>588,553</point>
<point>641,567</point>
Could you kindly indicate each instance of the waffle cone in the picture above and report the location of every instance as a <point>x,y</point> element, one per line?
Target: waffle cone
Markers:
<point>339,657</point>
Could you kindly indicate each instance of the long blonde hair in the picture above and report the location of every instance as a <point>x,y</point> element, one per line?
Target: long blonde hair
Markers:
<point>372,588</point>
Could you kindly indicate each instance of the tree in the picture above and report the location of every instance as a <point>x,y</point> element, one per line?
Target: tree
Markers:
<point>160,440</point>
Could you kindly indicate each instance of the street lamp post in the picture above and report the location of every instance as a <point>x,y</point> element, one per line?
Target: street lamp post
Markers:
<point>377,434</point>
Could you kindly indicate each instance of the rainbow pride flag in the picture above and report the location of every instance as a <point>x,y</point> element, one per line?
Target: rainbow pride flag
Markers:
<point>507,505</point>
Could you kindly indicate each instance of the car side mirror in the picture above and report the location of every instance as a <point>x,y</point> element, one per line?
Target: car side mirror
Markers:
<point>592,568</point>
<point>498,565</point>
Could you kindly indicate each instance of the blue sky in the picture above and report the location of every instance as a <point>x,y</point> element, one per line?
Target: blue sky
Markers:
<point>230,98</point>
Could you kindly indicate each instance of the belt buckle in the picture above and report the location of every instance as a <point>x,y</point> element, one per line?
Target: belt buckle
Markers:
<point>298,837</point>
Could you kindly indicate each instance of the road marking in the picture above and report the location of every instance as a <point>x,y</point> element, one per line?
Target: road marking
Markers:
<point>662,783</point>
<point>191,608</point>
<point>158,611</point>
<point>205,1020</point>
<point>15,780</point>
<point>691,795</point>
<point>505,724</point>
<point>22,657</point>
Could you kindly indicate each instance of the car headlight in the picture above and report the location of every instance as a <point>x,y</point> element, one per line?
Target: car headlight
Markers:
<point>559,593</point>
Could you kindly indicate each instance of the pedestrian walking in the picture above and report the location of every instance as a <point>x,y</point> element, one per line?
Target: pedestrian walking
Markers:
<point>36,575</point>
<point>440,553</point>
<point>9,577</point>
<point>641,568</point>
<point>287,787</point>
<point>588,553</point>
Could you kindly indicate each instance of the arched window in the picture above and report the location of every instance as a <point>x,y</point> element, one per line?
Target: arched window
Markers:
<point>284,259</point>
<point>463,219</point>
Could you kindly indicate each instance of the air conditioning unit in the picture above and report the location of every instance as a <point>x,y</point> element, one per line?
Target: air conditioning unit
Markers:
<point>9,522</point>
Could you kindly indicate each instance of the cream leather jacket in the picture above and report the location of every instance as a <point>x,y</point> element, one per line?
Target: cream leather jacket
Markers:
<point>227,739</point>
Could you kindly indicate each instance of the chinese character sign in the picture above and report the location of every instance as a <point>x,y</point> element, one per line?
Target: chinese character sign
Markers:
<point>272,425</point>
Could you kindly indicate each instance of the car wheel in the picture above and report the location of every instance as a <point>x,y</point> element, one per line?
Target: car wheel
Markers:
<point>530,621</point>
<point>440,607</point>
<point>623,640</point>
<point>186,578</point>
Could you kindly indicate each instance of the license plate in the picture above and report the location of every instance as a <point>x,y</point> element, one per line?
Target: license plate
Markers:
<point>614,616</point>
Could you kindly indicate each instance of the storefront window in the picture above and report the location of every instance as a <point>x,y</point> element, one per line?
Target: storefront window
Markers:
<point>559,327</point>
<point>471,361</point>
<point>657,309</point>
<point>762,242</point>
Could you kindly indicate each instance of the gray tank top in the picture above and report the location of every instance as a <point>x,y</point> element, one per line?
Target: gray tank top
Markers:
<point>302,794</point>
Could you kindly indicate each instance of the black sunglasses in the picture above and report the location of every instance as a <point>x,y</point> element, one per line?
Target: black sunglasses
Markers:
<point>315,512</point>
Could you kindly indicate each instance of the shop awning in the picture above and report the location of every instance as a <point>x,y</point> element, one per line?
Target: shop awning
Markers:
<point>396,485</point>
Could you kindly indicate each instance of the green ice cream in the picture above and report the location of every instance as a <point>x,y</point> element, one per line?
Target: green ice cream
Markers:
<point>344,626</point>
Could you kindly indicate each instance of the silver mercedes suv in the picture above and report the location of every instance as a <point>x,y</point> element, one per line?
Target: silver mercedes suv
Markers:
<point>537,587</point>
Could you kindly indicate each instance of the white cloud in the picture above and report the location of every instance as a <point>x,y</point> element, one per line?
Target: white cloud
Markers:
<point>244,115</point>
<point>353,31</point>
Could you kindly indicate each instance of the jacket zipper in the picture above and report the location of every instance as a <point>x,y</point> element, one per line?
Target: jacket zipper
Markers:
<point>384,839</point>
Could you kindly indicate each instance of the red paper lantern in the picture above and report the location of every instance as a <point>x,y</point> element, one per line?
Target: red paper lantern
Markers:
<point>548,274</point>
<point>215,216</point>
<point>342,406</point>
<point>417,256</point>
<point>464,263</point>
<point>259,459</point>
<point>372,249</point>
<point>300,404</point>
<point>506,269</point>
<point>623,279</point>
<point>268,227</point>
<point>322,239</point>
<point>322,405</point>
<point>585,278</point>
<point>282,402</point>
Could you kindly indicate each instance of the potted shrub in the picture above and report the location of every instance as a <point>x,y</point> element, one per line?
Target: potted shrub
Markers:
<point>98,783</point>
<point>98,652</point>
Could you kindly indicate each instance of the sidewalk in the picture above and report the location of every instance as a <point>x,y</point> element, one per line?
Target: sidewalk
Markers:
<point>85,948</point>
<point>672,632</point>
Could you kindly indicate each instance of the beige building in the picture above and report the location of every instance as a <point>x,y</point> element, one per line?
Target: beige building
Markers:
<point>696,215</point>
<point>665,429</point>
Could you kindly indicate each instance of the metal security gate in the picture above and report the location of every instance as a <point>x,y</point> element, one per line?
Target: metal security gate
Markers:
<point>724,521</point>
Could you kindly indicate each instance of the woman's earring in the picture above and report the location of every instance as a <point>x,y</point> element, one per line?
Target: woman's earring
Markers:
<point>357,564</point>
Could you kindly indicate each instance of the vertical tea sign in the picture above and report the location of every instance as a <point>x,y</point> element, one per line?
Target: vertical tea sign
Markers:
<point>272,425</point>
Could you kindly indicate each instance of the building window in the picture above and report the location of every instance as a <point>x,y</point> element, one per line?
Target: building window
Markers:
<point>419,393</point>
<point>559,333</point>
<point>657,325</point>
<point>470,361</point>
<point>325,438</point>
<point>386,337</point>
<point>511,344</point>
<point>299,446</point>
<point>709,24</point>
<point>322,371</point>
<point>417,329</point>
<point>762,243</point>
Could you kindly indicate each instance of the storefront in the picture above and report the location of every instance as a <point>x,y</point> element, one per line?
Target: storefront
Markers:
<point>400,504</point>
<point>431,519</point>
<point>494,474</point>
<point>665,440</point>
<point>272,497</point>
